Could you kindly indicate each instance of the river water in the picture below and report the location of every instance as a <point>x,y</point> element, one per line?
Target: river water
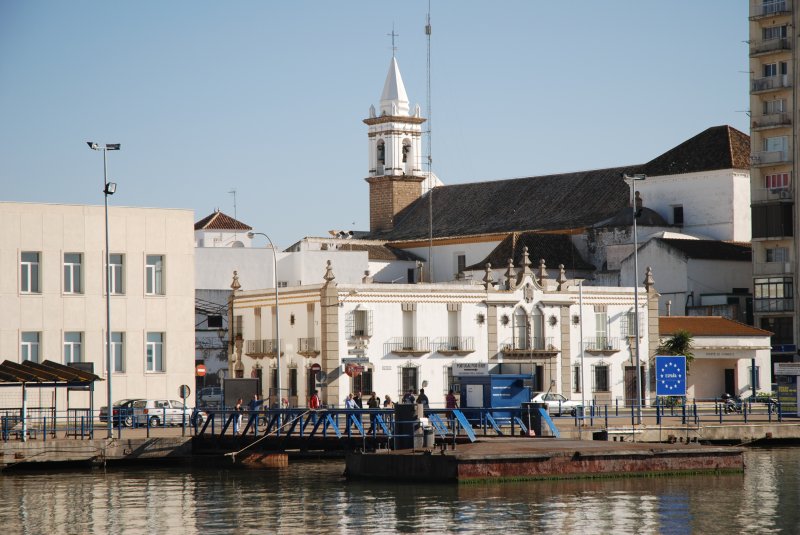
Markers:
<point>311,497</point>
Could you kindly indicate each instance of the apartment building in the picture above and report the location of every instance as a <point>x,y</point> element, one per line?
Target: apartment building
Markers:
<point>53,299</point>
<point>773,109</point>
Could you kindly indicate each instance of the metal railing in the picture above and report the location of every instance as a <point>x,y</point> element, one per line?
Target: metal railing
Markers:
<point>769,45</point>
<point>308,345</point>
<point>771,194</point>
<point>766,9</point>
<point>262,347</point>
<point>601,343</point>
<point>769,83</point>
<point>769,157</point>
<point>412,344</point>
<point>534,343</point>
<point>454,343</point>
<point>772,120</point>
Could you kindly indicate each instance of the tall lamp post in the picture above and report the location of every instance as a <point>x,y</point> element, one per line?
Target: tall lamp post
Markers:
<point>277,311</point>
<point>108,189</point>
<point>633,179</point>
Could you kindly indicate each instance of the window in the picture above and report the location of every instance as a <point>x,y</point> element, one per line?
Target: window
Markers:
<point>451,381</point>
<point>215,321</point>
<point>292,381</point>
<point>600,378</point>
<point>72,273</point>
<point>774,69</point>
<point>774,106</point>
<point>29,273</point>
<point>117,352</point>
<point>677,215</point>
<point>115,273</point>
<point>155,352</point>
<point>408,380</point>
<point>576,379</point>
<point>601,326</point>
<point>363,382</point>
<point>774,32</point>
<point>461,263</point>
<point>311,382</point>
<point>359,323</point>
<point>381,153</point>
<point>777,181</point>
<point>29,347</point>
<point>777,254</point>
<point>520,329</point>
<point>627,324</point>
<point>72,347</point>
<point>237,326</point>
<point>772,220</point>
<point>781,328</point>
<point>773,6</point>
<point>155,275</point>
<point>755,376</point>
<point>776,144</point>
<point>773,294</point>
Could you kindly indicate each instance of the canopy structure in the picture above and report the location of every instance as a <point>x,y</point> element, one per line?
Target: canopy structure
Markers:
<point>45,374</point>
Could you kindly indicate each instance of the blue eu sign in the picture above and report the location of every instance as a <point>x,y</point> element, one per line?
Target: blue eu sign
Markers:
<point>670,375</point>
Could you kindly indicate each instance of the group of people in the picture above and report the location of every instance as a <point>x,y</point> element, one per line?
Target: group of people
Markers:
<point>354,401</point>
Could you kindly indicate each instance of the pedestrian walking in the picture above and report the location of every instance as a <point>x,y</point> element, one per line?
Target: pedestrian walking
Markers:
<point>408,397</point>
<point>238,409</point>
<point>387,402</point>
<point>450,400</point>
<point>349,403</point>
<point>422,399</point>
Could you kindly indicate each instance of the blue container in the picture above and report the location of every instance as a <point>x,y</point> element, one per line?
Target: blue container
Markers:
<point>494,391</point>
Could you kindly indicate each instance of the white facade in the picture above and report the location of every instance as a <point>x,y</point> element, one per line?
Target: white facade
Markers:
<point>53,301</point>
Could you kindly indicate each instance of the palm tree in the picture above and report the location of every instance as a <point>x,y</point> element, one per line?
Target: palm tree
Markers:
<point>679,343</point>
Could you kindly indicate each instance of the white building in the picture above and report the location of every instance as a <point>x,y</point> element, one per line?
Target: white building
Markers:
<point>53,300</point>
<point>391,338</point>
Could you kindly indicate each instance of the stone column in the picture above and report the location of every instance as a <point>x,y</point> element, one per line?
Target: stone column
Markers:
<point>566,353</point>
<point>329,338</point>
<point>653,336</point>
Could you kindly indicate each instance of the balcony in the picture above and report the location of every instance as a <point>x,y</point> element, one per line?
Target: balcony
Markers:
<point>770,83</point>
<point>454,345</point>
<point>762,9</point>
<point>601,344</point>
<point>308,347</point>
<point>761,159</point>
<point>730,311</point>
<point>772,268</point>
<point>773,304</point>
<point>262,348</point>
<point>771,195</point>
<point>772,120</point>
<point>408,345</point>
<point>535,347</point>
<point>770,45</point>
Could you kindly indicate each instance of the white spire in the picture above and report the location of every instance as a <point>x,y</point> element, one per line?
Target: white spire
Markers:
<point>394,100</point>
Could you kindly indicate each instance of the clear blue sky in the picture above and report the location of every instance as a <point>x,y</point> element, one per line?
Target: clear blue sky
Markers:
<point>268,97</point>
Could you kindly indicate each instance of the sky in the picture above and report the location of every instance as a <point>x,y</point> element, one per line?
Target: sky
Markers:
<point>267,98</point>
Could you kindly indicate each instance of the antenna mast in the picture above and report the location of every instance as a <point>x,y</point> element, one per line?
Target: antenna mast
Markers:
<point>428,31</point>
<point>233,192</point>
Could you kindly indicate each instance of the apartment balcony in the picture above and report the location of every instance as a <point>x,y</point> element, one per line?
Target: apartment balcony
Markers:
<point>454,345</point>
<point>758,48</point>
<point>415,346</point>
<point>535,347</point>
<point>773,120</point>
<point>761,159</point>
<point>601,344</point>
<point>771,195</point>
<point>262,348</point>
<point>308,347</point>
<point>770,83</point>
<point>773,304</point>
<point>772,268</point>
<point>760,10</point>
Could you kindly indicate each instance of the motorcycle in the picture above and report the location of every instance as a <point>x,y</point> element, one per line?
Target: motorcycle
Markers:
<point>731,405</point>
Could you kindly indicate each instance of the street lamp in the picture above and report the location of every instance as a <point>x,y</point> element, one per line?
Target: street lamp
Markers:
<point>633,179</point>
<point>108,189</point>
<point>277,313</point>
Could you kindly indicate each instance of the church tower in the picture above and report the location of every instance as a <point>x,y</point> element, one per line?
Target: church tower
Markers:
<point>395,153</point>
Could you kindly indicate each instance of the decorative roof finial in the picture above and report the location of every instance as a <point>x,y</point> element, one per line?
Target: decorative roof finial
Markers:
<point>562,277</point>
<point>329,276</point>
<point>511,275</point>
<point>525,266</point>
<point>235,284</point>
<point>542,273</point>
<point>488,279</point>
<point>649,281</point>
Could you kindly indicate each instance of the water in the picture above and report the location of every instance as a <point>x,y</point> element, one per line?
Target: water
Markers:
<point>311,497</point>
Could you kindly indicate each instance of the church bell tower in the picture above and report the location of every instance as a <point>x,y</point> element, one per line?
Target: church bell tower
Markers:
<point>395,153</point>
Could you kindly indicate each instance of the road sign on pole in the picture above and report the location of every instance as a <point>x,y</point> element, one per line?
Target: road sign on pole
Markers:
<point>670,375</point>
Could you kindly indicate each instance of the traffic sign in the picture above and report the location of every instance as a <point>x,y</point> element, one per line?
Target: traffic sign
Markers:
<point>670,375</point>
<point>184,391</point>
<point>200,370</point>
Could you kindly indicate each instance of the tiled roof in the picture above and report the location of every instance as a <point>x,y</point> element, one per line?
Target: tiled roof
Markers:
<point>711,249</point>
<point>555,249</point>
<point>719,147</point>
<point>707,326</point>
<point>220,221</point>
<point>561,201</point>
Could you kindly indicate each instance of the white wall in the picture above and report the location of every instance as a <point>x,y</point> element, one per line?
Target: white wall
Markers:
<point>670,271</point>
<point>214,267</point>
<point>445,256</point>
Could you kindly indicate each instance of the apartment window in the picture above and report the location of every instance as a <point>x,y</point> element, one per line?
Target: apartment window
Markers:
<point>29,346</point>
<point>461,263</point>
<point>72,273</point>
<point>773,6</point>
<point>772,220</point>
<point>774,32</point>
<point>155,352</point>
<point>408,380</point>
<point>154,273</point>
<point>627,325</point>
<point>773,294</point>
<point>774,69</point>
<point>576,379</point>
<point>777,181</point>
<point>118,352</point>
<point>677,215</point>
<point>292,381</point>
<point>73,341</point>
<point>777,254</point>
<point>776,144</point>
<point>115,273</point>
<point>363,382</point>
<point>600,380</point>
<point>601,326</point>
<point>774,106</point>
<point>29,273</point>
<point>359,323</point>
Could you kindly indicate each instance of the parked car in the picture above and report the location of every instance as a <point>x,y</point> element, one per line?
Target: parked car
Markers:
<point>556,403</point>
<point>160,412</point>
<point>122,413</point>
<point>210,396</point>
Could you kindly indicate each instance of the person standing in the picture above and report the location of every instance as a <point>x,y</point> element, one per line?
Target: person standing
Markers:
<point>408,397</point>
<point>387,402</point>
<point>450,400</point>
<point>238,409</point>
<point>357,400</point>
<point>422,399</point>
<point>254,406</point>
<point>349,403</point>
<point>372,403</point>
<point>313,404</point>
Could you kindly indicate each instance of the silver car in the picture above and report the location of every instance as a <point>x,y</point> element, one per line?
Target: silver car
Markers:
<point>556,403</point>
<point>158,412</point>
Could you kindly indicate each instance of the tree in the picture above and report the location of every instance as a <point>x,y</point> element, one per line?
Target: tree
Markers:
<point>679,343</point>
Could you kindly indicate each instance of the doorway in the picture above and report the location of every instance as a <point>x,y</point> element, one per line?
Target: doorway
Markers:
<point>730,381</point>
<point>630,385</point>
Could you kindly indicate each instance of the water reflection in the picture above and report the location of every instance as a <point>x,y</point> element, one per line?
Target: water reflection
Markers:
<point>312,497</point>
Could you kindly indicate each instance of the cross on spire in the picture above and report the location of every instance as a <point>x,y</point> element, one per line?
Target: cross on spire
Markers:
<point>393,35</point>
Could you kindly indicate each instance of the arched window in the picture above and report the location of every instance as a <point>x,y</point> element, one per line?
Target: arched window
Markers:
<point>537,330</point>
<point>520,329</point>
<point>381,152</point>
<point>406,150</point>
